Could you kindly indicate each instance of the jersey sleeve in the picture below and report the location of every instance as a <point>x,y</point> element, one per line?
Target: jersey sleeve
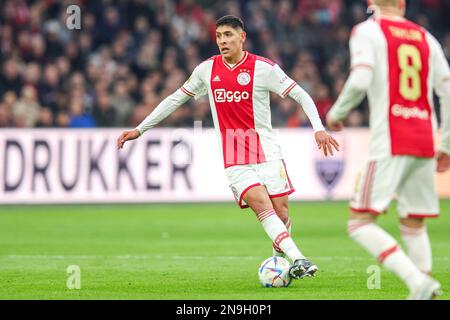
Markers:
<point>279,82</point>
<point>362,56</point>
<point>163,110</point>
<point>307,103</point>
<point>194,86</point>
<point>362,53</point>
<point>440,67</point>
<point>441,84</point>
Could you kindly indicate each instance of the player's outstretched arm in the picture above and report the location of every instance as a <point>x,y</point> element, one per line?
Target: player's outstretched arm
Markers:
<point>443,155</point>
<point>163,110</point>
<point>127,135</point>
<point>441,84</point>
<point>362,56</point>
<point>351,96</point>
<point>326,143</point>
<point>193,87</point>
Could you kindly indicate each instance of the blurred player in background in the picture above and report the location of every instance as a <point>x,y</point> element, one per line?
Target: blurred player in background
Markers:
<point>398,63</point>
<point>238,84</point>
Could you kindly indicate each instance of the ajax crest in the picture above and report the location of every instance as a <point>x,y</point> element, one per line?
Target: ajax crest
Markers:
<point>243,78</point>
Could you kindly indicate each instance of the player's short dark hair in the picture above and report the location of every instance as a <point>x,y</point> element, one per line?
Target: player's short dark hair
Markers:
<point>231,21</point>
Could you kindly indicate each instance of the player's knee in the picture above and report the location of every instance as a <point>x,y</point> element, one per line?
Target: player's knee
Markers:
<point>361,216</point>
<point>259,204</point>
<point>357,221</point>
<point>413,222</point>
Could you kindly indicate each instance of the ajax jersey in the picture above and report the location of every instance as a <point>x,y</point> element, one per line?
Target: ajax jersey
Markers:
<point>406,65</point>
<point>239,96</point>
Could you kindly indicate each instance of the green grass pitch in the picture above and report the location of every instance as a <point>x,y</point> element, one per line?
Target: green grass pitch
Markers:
<point>189,251</point>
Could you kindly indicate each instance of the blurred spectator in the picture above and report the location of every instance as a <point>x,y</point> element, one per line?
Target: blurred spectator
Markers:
<point>298,119</point>
<point>45,118</point>
<point>26,110</point>
<point>9,98</point>
<point>446,46</point>
<point>321,97</point>
<point>202,112</point>
<point>49,86</point>
<point>355,119</point>
<point>286,113</point>
<point>6,106</point>
<point>149,53</point>
<point>149,103</point>
<point>5,117</point>
<point>122,103</point>
<point>108,26</point>
<point>10,78</point>
<point>38,49</point>
<point>104,113</point>
<point>78,118</point>
<point>62,119</point>
<point>31,74</point>
<point>53,46</point>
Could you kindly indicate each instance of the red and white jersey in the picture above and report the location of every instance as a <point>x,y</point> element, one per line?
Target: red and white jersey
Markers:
<point>407,63</point>
<point>239,97</point>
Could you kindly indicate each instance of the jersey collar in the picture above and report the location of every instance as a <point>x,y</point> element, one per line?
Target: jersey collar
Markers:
<point>391,18</point>
<point>231,68</point>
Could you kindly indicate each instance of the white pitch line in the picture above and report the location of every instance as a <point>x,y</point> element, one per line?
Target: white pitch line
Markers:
<point>159,257</point>
<point>126,257</point>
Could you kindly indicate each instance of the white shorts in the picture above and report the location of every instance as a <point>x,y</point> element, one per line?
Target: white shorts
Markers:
<point>411,179</point>
<point>272,174</point>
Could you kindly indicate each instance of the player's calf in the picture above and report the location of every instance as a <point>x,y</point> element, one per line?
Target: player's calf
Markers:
<point>276,250</point>
<point>416,239</point>
<point>281,207</point>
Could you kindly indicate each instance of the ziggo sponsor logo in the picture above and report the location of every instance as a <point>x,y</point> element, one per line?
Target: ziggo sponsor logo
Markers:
<point>408,112</point>
<point>221,95</point>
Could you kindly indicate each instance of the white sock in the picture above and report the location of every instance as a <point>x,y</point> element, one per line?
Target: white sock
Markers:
<point>418,246</point>
<point>276,250</point>
<point>383,246</point>
<point>277,231</point>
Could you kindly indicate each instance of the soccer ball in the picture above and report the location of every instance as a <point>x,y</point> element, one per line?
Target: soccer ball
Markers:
<point>274,273</point>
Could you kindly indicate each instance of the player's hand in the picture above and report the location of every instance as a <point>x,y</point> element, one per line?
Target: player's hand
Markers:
<point>326,142</point>
<point>334,125</point>
<point>127,135</point>
<point>443,162</point>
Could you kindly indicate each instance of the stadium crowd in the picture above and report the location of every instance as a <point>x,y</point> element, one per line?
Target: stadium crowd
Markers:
<point>130,54</point>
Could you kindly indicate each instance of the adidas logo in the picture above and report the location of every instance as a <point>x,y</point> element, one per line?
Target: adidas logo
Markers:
<point>216,79</point>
